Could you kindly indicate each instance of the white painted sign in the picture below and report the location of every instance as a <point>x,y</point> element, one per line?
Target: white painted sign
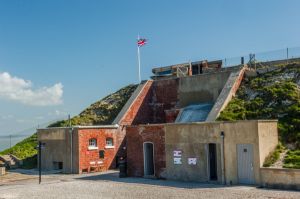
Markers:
<point>192,161</point>
<point>177,153</point>
<point>177,161</point>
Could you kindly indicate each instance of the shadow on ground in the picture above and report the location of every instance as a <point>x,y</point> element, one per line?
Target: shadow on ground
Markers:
<point>34,171</point>
<point>114,176</point>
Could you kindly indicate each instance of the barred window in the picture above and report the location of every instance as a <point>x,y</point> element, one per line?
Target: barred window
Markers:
<point>109,142</point>
<point>92,142</point>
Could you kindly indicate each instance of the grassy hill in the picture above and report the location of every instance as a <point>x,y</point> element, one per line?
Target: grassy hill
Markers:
<point>101,112</point>
<point>272,95</point>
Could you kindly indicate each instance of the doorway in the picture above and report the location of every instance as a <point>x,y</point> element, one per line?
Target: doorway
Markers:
<point>245,163</point>
<point>148,159</point>
<point>212,156</point>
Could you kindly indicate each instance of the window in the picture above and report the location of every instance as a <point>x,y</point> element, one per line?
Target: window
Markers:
<point>109,143</point>
<point>101,154</point>
<point>92,144</point>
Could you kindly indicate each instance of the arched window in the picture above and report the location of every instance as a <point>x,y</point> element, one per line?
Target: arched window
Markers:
<point>109,142</point>
<point>92,142</point>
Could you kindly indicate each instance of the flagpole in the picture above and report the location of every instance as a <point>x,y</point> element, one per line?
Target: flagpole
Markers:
<point>139,60</point>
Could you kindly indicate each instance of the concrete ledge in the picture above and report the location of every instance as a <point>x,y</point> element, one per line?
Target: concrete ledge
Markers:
<point>280,178</point>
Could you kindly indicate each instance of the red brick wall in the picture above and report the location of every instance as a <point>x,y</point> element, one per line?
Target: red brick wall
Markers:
<point>136,136</point>
<point>133,111</point>
<point>87,156</point>
<point>162,96</point>
<point>171,115</point>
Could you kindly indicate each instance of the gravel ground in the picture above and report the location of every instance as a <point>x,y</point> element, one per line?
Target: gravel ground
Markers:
<point>108,185</point>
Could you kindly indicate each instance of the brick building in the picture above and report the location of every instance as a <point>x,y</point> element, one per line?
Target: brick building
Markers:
<point>80,149</point>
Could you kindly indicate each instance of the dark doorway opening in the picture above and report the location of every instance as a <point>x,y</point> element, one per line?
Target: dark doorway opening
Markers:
<point>57,165</point>
<point>212,151</point>
<point>195,69</point>
<point>148,159</point>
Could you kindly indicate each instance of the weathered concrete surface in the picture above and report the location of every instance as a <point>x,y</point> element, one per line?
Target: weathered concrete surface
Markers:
<point>268,139</point>
<point>280,178</point>
<point>58,148</point>
<point>230,88</point>
<point>192,139</point>
<point>201,88</point>
<point>2,171</point>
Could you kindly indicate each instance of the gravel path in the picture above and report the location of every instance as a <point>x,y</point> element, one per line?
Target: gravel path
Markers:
<point>110,186</point>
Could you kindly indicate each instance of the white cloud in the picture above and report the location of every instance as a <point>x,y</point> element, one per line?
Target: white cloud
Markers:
<point>20,90</point>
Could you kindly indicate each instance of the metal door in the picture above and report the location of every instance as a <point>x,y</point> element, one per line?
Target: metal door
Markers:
<point>245,163</point>
<point>148,159</point>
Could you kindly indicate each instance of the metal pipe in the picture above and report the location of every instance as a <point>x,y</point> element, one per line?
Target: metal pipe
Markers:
<point>223,158</point>
<point>71,143</point>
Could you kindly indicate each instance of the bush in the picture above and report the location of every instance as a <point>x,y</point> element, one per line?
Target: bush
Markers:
<point>292,160</point>
<point>273,156</point>
<point>273,95</point>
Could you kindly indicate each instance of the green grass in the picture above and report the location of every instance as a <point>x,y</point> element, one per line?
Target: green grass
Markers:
<point>25,150</point>
<point>102,112</point>
<point>273,156</point>
<point>277,97</point>
<point>292,159</point>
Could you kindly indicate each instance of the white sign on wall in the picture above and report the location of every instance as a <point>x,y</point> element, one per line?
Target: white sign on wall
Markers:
<point>177,161</point>
<point>177,153</point>
<point>192,161</point>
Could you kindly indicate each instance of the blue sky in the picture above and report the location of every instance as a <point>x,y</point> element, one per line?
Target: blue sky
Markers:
<point>59,56</point>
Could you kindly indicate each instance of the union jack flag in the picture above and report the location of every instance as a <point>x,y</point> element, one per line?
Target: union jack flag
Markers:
<point>141,42</point>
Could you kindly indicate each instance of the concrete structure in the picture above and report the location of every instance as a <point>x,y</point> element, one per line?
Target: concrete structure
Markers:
<point>80,149</point>
<point>137,137</point>
<point>2,171</point>
<point>146,132</point>
<point>151,103</point>
<point>70,150</point>
<point>280,178</point>
<point>220,152</point>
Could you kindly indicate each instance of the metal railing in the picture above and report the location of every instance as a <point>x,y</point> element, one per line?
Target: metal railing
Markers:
<point>268,58</point>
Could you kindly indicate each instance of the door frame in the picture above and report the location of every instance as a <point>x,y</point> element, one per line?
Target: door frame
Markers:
<point>208,161</point>
<point>153,156</point>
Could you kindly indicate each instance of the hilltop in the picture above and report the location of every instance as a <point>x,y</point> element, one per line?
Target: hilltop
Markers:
<point>101,112</point>
<point>272,94</point>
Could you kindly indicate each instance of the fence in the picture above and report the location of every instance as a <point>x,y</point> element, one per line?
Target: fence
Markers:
<point>280,56</point>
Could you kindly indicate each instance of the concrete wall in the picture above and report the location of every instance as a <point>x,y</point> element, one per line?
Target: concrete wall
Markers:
<point>229,90</point>
<point>268,133</point>
<point>58,149</point>
<point>241,132</point>
<point>192,139</point>
<point>136,136</point>
<point>201,88</point>
<point>280,178</point>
